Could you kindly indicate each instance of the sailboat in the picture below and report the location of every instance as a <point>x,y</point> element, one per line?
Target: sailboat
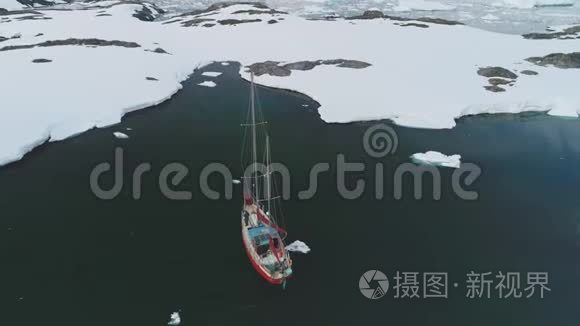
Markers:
<point>262,237</point>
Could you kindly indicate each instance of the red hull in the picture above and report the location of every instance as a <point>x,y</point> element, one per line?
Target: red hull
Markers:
<point>259,269</point>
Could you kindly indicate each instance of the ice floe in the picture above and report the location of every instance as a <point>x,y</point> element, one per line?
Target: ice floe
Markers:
<point>422,77</point>
<point>211,74</point>
<point>174,319</point>
<point>437,159</point>
<point>208,83</point>
<point>298,246</point>
<point>120,135</point>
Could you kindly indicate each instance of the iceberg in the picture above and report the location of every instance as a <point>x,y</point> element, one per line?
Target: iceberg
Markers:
<point>437,159</point>
<point>298,246</point>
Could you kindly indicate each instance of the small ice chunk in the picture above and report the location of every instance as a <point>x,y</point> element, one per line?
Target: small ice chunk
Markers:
<point>175,319</point>
<point>298,246</point>
<point>120,135</point>
<point>211,74</point>
<point>437,159</point>
<point>236,181</point>
<point>207,83</point>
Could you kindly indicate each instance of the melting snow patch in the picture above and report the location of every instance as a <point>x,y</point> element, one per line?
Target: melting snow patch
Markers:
<point>120,135</point>
<point>437,159</point>
<point>207,83</point>
<point>298,246</point>
<point>236,181</point>
<point>211,73</point>
<point>175,319</point>
<point>225,63</point>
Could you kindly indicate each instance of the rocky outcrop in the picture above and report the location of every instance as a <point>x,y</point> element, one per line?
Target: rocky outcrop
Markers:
<point>73,41</point>
<point>260,12</point>
<point>369,14</point>
<point>528,72</point>
<point>238,21</point>
<point>152,78</point>
<point>559,60</point>
<point>158,50</point>
<point>565,34</point>
<point>415,25</point>
<point>376,14</point>
<point>496,72</point>
<point>274,68</point>
<point>221,5</point>
<point>148,12</point>
<point>40,60</point>
<point>270,68</point>
<point>499,81</point>
<point>494,88</point>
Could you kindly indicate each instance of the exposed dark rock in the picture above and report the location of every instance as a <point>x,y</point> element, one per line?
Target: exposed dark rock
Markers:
<point>568,33</point>
<point>496,72</point>
<point>343,63</point>
<point>33,17</point>
<point>208,25</point>
<point>148,12</point>
<point>270,68</point>
<point>439,21</point>
<point>559,60</point>
<point>375,14</point>
<point>32,3</point>
<point>499,81</point>
<point>415,25</point>
<point>195,22</point>
<point>39,34</point>
<point>369,14</point>
<point>273,68</point>
<point>41,60</point>
<point>221,5</point>
<point>494,88</point>
<point>260,12</point>
<point>158,50</point>
<point>529,72</point>
<point>73,41</point>
<point>272,21</point>
<point>238,21</point>
<point>2,10</point>
<point>19,12</point>
<point>152,78</point>
<point>302,65</point>
<point>103,15</point>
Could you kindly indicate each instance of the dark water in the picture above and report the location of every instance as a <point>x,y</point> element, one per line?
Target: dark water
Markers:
<point>68,258</point>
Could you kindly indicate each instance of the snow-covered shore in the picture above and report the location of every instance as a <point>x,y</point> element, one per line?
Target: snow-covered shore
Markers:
<point>421,74</point>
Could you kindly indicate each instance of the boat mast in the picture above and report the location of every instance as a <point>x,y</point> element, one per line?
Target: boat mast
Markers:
<point>268,184</point>
<point>254,150</point>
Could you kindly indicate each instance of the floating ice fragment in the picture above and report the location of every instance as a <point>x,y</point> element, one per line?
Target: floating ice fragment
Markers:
<point>437,159</point>
<point>175,319</point>
<point>211,74</point>
<point>207,83</point>
<point>298,246</point>
<point>120,135</point>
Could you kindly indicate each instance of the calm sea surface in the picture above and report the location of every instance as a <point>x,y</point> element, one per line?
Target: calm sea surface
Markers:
<point>69,258</point>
